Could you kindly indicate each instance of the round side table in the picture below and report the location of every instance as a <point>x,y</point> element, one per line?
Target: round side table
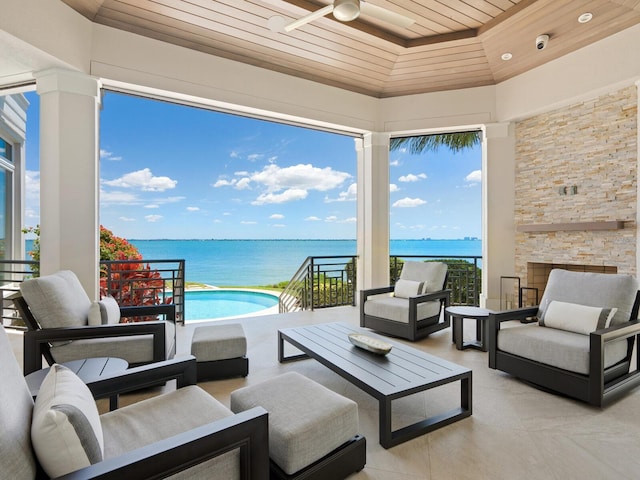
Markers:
<point>480,315</point>
<point>88,370</point>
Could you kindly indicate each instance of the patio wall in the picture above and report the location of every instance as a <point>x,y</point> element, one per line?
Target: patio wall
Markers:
<point>591,145</point>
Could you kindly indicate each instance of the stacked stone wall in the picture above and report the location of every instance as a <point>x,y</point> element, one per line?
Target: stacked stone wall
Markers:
<point>579,164</point>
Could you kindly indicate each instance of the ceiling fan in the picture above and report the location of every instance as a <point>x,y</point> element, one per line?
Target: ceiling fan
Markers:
<point>348,10</point>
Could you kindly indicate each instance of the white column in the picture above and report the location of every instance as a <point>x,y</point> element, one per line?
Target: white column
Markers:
<point>69,175</point>
<point>498,200</point>
<point>373,210</point>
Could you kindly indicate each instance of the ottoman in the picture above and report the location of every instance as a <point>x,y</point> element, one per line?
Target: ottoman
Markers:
<point>313,431</point>
<point>220,351</point>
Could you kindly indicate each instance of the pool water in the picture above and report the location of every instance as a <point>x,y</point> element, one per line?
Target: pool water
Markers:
<point>210,304</point>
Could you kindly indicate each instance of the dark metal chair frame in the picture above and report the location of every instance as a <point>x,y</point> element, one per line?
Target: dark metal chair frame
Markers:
<point>38,340</point>
<point>247,431</point>
<point>414,329</point>
<point>599,388</point>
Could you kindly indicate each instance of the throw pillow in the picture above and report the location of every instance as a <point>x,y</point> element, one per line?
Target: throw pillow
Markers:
<point>104,312</point>
<point>407,288</point>
<point>577,318</point>
<point>65,429</point>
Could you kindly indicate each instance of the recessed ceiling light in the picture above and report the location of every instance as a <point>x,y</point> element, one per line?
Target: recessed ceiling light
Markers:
<point>585,17</point>
<point>506,56</point>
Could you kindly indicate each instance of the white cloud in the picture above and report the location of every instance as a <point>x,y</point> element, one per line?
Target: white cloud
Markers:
<point>350,220</point>
<point>193,209</point>
<point>254,156</point>
<point>32,184</point>
<point>394,163</point>
<point>152,205</point>
<point>248,222</point>
<point>127,219</point>
<point>243,184</point>
<point>153,218</point>
<point>331,219</point>
<point>312,218</point>
<point>221,182</point>
<point>286,196</point>
<point>277,216</point>
<point>393,188</point>
<point>350,195</point>
<point>118,198</point>
<point>104,154</point>
<point>474,177</point>
<point>144,180</point>
<point>412,178</point>
<point>234,154</point>
<point>299,176</point>
<point>407,202</point>
<point>287,184</point>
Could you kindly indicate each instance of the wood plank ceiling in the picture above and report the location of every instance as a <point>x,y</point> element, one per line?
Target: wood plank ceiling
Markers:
<point>452,44</point>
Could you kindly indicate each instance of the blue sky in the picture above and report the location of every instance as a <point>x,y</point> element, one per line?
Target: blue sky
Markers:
<point>169,171</point>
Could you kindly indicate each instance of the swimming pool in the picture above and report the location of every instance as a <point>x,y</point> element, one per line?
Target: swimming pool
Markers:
<point>210,304</point>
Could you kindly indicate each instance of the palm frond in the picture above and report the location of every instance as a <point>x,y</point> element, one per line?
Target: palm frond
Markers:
<point>424,143</point>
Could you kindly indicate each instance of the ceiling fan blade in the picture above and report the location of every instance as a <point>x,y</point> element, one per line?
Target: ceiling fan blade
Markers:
<point>385,15</point>
<point>308,18</point>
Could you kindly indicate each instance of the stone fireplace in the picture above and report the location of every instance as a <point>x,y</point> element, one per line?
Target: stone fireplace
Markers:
<point>576,190</point>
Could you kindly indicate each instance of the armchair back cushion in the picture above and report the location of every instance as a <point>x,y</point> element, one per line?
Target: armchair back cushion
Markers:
<point>16,406</point>
<point>601,290</point>
<point>432,274</point>
<point>57,300</point>
<point>65,431</point>
<point>104,312</point>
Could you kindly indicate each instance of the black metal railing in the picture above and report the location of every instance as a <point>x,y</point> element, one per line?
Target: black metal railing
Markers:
<point>321,282</point>
<point>331,281</point>
<point>12,274</point>
<point>464,275</point>
<point>144,282</point>
<point>131,282</point>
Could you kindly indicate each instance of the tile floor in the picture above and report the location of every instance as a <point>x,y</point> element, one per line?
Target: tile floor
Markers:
<point>515,432</point>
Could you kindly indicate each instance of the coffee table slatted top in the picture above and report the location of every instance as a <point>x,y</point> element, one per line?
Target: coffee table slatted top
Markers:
<point>402,371</point>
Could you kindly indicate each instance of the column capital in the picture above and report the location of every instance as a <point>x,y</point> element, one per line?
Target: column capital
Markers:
<point>374,139</point>
<point>497,130</point>
<point>67,81</point>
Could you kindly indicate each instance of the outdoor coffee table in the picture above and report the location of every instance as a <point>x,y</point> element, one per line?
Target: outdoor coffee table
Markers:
<point>402,372</point>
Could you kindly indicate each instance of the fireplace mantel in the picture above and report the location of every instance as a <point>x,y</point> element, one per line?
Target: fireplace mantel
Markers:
<point>571,226</point>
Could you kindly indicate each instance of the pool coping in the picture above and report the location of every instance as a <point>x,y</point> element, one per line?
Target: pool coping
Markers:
<point>265,311</point>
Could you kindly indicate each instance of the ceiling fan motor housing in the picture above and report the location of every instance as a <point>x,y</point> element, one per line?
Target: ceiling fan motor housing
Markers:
<point>346,10</point>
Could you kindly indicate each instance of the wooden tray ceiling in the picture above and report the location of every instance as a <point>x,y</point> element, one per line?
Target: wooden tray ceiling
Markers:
<point>453,43</point>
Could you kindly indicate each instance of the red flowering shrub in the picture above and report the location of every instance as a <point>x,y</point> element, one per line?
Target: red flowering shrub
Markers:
<point>131,283</point>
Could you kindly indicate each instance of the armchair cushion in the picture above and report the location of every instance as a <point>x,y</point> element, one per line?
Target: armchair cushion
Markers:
<point>397,309</point>
<point>433,274</point>
<point>157,418</point>
<point>555,347</point>
<point>407,288</point>
<point>104,312</point>
<point>135,349</point>
<point>577,318</point>
<point>57,300</point>
<point>591,289</point>
<point>65,431</point>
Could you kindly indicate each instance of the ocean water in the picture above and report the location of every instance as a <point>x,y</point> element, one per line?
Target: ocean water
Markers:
<point>265,262</point>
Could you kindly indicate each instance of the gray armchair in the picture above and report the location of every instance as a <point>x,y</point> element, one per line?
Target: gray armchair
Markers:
<point>182,434</point>
<point>412,308</point>
<point>64,325</point>
<point>583,341</point>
